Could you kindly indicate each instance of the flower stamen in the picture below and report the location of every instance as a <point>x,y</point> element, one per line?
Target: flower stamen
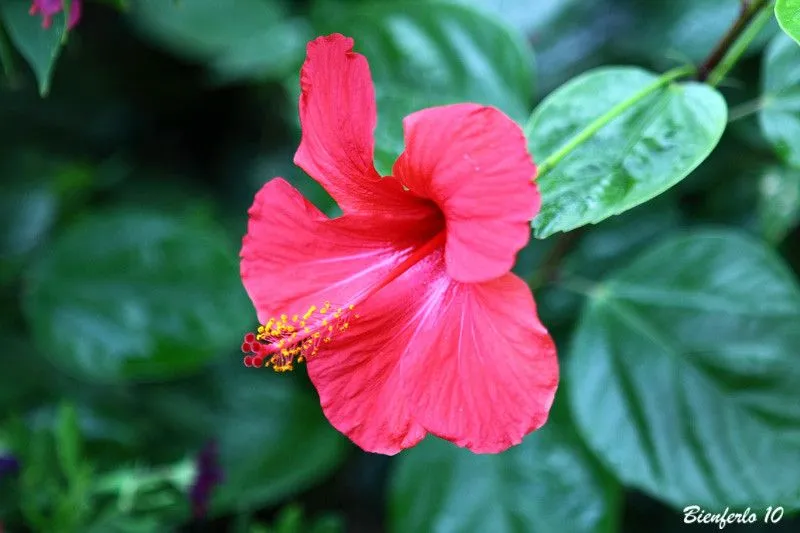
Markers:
<point>280,342</point>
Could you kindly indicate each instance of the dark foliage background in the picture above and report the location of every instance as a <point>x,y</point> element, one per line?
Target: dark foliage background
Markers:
<point>123,202</point>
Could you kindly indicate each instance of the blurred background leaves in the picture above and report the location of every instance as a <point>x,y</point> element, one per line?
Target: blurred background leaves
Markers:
<point>124,196</point>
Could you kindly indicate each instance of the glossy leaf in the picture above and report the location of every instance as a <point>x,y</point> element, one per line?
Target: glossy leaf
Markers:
<point>235,38</point>
<point>549,483</point>
<point>640,154</point>
<point>135,295</point>
<point>684,373</point>
<point>780,114</point>
<point>39,46</point>
<point>788,14</point>
<point>428,54</point>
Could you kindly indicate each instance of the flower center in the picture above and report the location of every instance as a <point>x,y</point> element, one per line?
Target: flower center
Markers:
<point>281,342</point>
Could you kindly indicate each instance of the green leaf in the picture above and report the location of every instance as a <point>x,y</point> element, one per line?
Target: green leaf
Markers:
<point>428,54</point>
<point>779,202</point>
<point>780,113</point>
<point>549,483</point>
<point>643,152</point>
<point>273,439</point>
<point>683,373</point>
<point>788,14</point>
<point>235,38</point>
<point>39,46</point>
<point>136,295</point>
<point>68,440</point>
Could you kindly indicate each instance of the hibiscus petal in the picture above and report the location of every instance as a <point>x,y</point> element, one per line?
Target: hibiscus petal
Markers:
<point>470,363</point>
<point>338,117</point>
<point>489,372</point>
<point>293,256</point>
<point>360,376</point>
<point>473,162</point>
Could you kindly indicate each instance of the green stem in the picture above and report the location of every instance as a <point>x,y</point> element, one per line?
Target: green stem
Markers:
<point>740,45</point>
<point>609,116</point>
<point>747,108</point>
<point>746,14</point>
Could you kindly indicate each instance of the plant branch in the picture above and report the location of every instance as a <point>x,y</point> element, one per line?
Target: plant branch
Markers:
<point>749,11</point>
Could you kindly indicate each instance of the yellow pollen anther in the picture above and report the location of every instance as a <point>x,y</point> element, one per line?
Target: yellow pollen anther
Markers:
<point>283,342</point>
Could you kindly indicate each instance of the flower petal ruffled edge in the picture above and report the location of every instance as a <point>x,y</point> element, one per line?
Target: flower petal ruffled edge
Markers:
<point>338,117</point>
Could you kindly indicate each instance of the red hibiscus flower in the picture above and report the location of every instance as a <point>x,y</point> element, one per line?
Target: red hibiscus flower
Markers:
<point>49,8</point>
<point>404,308</point>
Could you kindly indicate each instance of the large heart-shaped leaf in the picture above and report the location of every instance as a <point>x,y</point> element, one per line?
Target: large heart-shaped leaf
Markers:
<point>39,46</point>
<point>127,295</point>
<point>549,483</point>
<point>684,374</point>
<point>780,115</point>
<point>647,149</point>
<point>788,14</point>
<point>431,53</point>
